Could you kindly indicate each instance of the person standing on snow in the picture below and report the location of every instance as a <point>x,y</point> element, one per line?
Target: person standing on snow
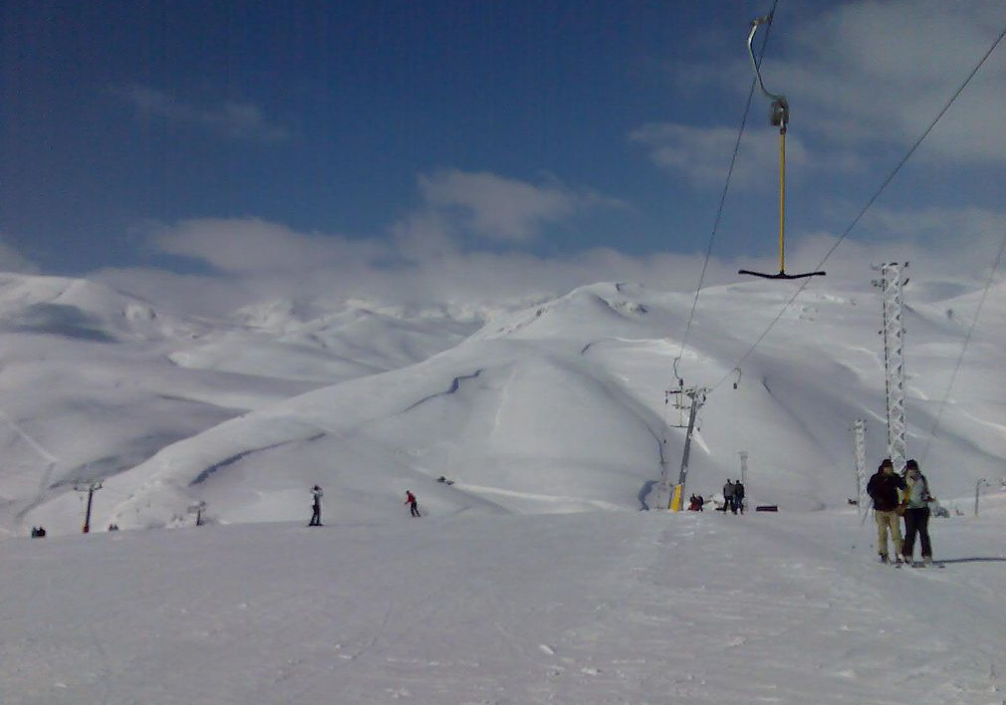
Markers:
<point>917,499</point>
<point>316,495</point>
<point>883,490</point>
<point>738,497</point>
<point>728,497</point>
<point>410,499</point>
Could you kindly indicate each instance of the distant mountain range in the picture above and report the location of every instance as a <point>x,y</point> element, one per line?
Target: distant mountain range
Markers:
<point>553,408</point>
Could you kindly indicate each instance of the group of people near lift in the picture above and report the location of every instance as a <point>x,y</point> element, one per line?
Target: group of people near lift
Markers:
<point>317,493</point>
<point>733,499</point>
<point>896,498</point>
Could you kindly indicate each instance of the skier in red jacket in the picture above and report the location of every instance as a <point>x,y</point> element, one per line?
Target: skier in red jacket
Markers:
<point>410,499</point>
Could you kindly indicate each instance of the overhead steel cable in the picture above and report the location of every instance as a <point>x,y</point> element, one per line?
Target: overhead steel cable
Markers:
<point>964,348</point>
<point>726,189</point>
<point>870,202</point>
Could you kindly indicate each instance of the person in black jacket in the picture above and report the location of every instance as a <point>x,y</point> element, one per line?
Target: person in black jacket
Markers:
<point>316,495</point>
<point>883,489</point>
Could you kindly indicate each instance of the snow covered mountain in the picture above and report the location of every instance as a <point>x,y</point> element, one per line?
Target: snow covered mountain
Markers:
<point>553,408</point>
<point>94,382</point>
<point>560,407</point>
<point>328,343</point>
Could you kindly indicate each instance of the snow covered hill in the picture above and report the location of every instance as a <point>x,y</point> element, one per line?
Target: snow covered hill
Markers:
<point>324,344</point>
<point>554,408</point>
<point>588,609</point>
<point>560,407</point>
<point>93,382</point>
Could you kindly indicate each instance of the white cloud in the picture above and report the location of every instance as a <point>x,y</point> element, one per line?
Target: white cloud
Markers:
<point>468,279</point>
<point>867,72</point>
<point>229,118</point>
<point>886,69</point>
<point>423,259</point>
<point>435,271</point>
<point>249,245</point>
<point>851,263</point>
<point>453,203</point>
<point>424,234</point>
<point>861,77</point>
<point>702,155</point>
<point>504,209</point>
<point>256,260</point>
<point>937,226</point>
<point>419,258</point>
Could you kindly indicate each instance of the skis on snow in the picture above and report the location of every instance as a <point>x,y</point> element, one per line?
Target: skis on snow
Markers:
<point>913,564</point>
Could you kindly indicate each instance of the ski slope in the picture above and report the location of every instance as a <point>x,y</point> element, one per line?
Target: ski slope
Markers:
<point>586,608</point>
<point>93,382</point>
<point>554,408</point>
<point>560,408</point>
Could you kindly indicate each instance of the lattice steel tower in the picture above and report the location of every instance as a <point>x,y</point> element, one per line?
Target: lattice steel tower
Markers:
<point>859,433</point>
<point>894,361</point>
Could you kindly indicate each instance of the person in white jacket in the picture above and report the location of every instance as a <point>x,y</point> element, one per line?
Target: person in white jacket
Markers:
<point>916,501</point>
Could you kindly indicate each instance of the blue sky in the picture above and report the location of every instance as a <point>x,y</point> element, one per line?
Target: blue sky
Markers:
<point>144,134</point>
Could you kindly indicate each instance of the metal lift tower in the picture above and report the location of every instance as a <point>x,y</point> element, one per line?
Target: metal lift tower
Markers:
<point>862,499</point>
<point>892,285</point>
<point>698,397</point>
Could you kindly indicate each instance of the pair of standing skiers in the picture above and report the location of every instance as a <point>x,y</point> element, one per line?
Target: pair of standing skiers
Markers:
<point>733,497</point>
<point>895,496</point>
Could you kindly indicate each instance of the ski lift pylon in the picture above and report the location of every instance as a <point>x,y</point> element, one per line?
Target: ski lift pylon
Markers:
<point>779,117</point>
<point>676,397</point>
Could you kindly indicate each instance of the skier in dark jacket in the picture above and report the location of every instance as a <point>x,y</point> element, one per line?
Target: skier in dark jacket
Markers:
<point>917,499</point>
<point>316,495</point>
<point>883,490</point>
<point>739,496</point>
<point>410,499</point>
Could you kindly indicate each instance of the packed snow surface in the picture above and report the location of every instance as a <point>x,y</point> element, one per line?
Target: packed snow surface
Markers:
<point>587,608</point>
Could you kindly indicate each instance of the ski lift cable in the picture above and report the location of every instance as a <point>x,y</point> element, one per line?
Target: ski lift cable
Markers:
<point>883,187</point>
<point>964,349</point>
<point>726,189</point>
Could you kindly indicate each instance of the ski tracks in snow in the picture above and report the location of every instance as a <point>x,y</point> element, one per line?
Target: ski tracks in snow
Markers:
<point>769,619</point>
<point>585,609</point>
